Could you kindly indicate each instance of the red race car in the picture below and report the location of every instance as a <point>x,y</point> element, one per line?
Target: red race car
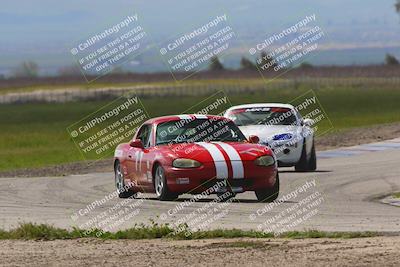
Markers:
<point>173,155</point>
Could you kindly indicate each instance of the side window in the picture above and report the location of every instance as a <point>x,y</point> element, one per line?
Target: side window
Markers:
<point>144,135</point>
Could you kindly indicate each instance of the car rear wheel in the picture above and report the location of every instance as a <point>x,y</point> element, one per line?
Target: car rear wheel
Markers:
<point>269,194</point>
<point>301,165</point>
<point>307,164</point>
<point>160,185</point>
<point>123,192</point>
<point>312,162</point>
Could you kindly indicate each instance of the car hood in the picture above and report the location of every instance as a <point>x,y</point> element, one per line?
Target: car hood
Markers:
<point>212,151</point>
<point>267,132</point>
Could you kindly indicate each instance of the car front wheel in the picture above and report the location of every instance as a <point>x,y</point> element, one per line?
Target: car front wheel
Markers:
<point>160,185</point>
<point>268,194</point>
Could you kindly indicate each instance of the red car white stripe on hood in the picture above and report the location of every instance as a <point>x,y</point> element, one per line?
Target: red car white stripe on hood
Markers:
<point>221,168</point>
<point>234,157</point>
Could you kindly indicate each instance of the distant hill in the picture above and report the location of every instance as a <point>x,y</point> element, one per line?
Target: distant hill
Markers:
<point>359,31</point>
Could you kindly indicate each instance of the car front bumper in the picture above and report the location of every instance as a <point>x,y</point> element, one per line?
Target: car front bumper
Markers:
<point>198,180</point>
<point>287,154</point>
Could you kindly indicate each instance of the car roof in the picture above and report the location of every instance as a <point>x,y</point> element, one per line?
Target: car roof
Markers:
<point>262,105</point>
<point>162,119</point>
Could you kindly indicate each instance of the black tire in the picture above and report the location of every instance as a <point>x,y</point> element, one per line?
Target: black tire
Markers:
<point>307,164</point>
<point>269,194</point>
<point>302,164</point>
<point>312,162</point>
<point>161,186</point>
<point>123,192</point>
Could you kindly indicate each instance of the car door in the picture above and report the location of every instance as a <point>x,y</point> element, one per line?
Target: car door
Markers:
<point>146,158</point>
<point>136,154</point>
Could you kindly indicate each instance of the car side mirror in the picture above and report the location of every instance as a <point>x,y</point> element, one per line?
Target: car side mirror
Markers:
<point>254,139</point>
<point>136,143</point>
<point>308,122</point>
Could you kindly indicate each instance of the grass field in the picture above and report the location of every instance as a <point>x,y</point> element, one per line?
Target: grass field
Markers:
<point>46,232</point>
<point>34,135</point>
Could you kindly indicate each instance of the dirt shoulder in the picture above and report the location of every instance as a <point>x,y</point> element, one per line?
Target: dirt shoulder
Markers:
<point>376,251</point>
<point>358,136</point>
<point>82,167</point>
<point>351,137</point>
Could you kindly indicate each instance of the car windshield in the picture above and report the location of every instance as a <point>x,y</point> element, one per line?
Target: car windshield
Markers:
<point>263,116</point>
<point>198,130</point>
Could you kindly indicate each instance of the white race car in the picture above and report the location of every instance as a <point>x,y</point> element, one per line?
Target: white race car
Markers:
<point>281,127</point>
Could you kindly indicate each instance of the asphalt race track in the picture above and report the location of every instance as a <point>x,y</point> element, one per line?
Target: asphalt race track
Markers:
<point>348,186</point>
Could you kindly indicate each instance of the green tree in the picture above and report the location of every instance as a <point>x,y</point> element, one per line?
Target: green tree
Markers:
<point>391,60</point>
<point>247,64</point>
<point>216,64</point>
<point>27,69</point>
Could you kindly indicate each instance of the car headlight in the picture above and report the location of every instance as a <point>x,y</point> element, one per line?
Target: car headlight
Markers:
<point>186,163</point>
<point>281,137</point>
<point>265,161</point>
